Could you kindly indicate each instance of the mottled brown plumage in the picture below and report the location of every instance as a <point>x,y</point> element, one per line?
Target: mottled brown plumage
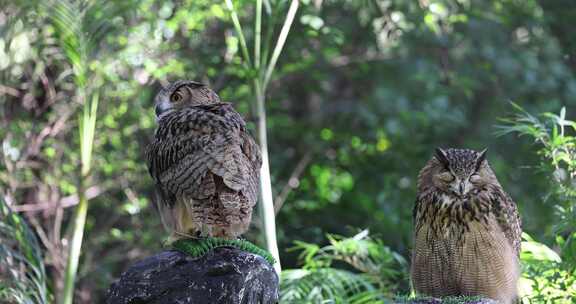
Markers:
<point>467,230</point>
<point>204,163</point>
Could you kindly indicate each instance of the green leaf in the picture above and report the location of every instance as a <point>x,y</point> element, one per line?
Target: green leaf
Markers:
<point>532,250</point>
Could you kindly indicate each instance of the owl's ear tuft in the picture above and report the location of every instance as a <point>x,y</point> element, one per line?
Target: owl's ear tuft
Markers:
<point>480,159</point>
<point>195,84</point>
<point>442,158</point>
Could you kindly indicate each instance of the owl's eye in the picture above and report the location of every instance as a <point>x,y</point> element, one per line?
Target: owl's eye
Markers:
<point>474,178</point>
<point>176,97</point>
<point>446,177</point>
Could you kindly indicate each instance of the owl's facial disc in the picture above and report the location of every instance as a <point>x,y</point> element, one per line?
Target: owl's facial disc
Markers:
<point>181,95</point>
<point>176,96</point>
<point>456,184</point>
<point>459,171</point>
<point>461,187</point>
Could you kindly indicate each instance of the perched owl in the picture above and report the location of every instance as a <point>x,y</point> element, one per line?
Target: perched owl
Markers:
<point>467,230</point>
<point>204,163</point>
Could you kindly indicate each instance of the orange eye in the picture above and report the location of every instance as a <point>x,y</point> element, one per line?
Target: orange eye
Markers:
<point>176,97</point>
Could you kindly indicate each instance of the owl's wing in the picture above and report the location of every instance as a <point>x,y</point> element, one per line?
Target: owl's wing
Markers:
<point>254,161</point>
<point>423,208</point>
<point>192,142</point>
<point>508,218</point>
<point>250,159</point>
<point>242,157</point>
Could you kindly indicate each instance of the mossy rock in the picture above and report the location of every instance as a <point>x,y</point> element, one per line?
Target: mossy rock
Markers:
<point>222,275</point>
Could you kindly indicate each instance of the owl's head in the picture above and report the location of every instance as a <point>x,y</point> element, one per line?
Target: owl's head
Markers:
<point>457,172</point>
<point>182,94</point>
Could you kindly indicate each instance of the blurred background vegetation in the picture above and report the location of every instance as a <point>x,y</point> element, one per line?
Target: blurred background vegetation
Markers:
<point>362,93</point>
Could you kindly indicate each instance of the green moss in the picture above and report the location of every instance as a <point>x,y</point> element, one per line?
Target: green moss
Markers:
<point>199,247</point>
<point>463,299</point>
<point>446,300</point>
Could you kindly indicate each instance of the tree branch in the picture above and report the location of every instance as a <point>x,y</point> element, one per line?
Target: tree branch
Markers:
<point>65,202</point>
<point>292,182</point>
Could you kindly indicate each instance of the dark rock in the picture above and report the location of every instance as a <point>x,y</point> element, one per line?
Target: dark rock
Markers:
<point>224,275</point>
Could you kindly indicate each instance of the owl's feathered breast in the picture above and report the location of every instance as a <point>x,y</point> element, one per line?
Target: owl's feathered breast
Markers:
<point>443,212</point>
<point>489,208</point>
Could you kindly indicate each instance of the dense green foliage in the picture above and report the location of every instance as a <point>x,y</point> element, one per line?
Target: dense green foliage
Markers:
<point>371,272</point>
<point>550,277</point>
<point>362,94</point>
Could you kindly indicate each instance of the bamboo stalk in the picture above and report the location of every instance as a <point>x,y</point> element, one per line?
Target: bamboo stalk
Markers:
<point>267,205</point>
<point>75,248</point>
<point>257,35</point>
<point>87,126</point>
<point>281,40</point>
<point>238,28</point>
<point>260,82</point>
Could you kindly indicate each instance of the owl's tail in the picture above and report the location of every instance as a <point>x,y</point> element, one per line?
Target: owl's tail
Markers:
<point>165,213</point>
<point>225,215</point>
<point>176,220</point>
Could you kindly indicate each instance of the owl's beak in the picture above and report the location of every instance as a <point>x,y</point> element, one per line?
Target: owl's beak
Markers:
<point>161,108</point>
<point>463,189</point>
<point>158,110</point>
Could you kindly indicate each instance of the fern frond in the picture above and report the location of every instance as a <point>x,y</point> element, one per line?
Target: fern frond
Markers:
<point>327,285</point>
<point>22,274</point>
<point>367,255</point>
<point>81,27</point>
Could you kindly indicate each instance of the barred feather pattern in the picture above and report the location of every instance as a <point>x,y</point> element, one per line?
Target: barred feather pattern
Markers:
<point>206,168</point>
<point>465,246</point>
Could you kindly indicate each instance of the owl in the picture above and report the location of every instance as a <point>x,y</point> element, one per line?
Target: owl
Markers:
<point>466,230</point>
<point>204,163</point>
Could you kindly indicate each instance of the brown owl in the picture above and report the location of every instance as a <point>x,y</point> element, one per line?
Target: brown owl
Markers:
<point>204,163</point>
<point>467,230</point>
